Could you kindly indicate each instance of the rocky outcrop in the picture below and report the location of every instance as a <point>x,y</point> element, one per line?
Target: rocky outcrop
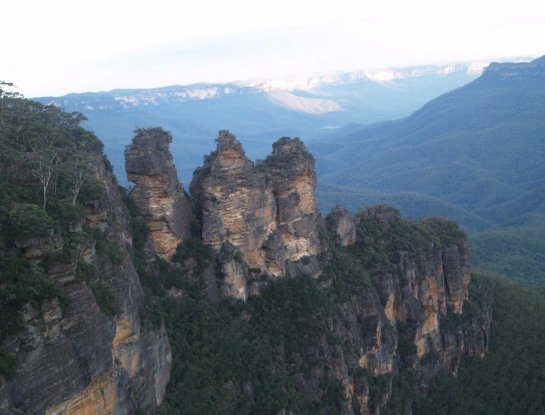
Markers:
<point>403,305</point>
<point>410,314</point>
<point>75,358</point>
<point>413,312</point>
<point>293,179</point>
<point>343,224</point>
<point>158,192</point>
<point>266,212</point>
<point>36,247</point>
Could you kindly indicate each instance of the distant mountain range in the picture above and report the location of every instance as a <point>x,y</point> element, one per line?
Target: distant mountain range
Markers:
<point>476,154</point>
<point>260,111</point>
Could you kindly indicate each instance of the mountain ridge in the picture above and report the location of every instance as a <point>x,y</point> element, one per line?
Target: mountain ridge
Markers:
<point>479,148</point>
<point>442,141</point>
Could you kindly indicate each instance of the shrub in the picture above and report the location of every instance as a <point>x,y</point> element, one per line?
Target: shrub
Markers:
<point>105,298</point>
<point>110,249</point>
<point>23,282</point>
<point>92,189</point>
<point>27,220</point>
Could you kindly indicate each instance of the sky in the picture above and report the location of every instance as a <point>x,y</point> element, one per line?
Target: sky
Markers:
<point>57,46</point>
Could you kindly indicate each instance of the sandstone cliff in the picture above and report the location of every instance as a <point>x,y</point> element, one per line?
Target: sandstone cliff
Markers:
<point>413,313</point>
<point>265,212</point>
<point>387,296</point>
<point>338,309</point>
<point>91,355</point>
<point>343,225</point>
<point>158,192</point>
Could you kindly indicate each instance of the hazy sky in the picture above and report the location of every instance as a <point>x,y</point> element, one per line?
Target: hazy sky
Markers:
<point>58,46</point>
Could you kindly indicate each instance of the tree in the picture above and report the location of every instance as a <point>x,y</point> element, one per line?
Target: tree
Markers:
<point>77,172</point>
<point>45,158</point>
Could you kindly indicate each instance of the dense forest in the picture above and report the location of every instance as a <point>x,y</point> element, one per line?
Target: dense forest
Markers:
<point>511,379</point>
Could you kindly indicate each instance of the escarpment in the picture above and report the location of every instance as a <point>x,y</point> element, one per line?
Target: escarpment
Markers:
<point>265,212</point>
<point>333,309</point>
<point>90,353</point>
<point>404,309</point>
<point>158,192</point>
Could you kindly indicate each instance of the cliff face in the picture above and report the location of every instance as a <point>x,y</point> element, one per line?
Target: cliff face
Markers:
<point>413,315</point>
<point>261,219</point>
<point>382,295</point>
<point>264,213</point>
<point>158,192</point>
<point>82,358</point>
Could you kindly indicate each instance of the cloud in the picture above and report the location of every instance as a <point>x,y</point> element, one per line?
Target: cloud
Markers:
<point>57,47</point>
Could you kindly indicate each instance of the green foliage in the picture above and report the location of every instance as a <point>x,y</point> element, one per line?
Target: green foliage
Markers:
<point>193,248</point>
<point>64,212</point>
<point>273,338</point>
<point>105,298</point>
<point>344,269</point>
<point>27,220</point>
<point>378,388</point>
<point>7,364</point>
<point>43,150</point>
<point>405,342</point>
<point>217,350</point>
<point>516,251</point>
<point>153,313</point>
<point>442,232</point>
<point>48,167</point>
<point>22,282</point>
<point>379,243</point>
<point>110,249</point>
<point>92,189</point>
<point>405,388</point>
<point>478,148</point>
<point>150,132</point>
<point>85,271</point>
<point>511,379</point>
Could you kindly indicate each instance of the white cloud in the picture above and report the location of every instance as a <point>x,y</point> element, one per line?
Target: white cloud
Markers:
<point>59,46</point>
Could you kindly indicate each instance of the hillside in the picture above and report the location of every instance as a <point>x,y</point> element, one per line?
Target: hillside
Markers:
<point>474,154</point>
<point>72,339</point>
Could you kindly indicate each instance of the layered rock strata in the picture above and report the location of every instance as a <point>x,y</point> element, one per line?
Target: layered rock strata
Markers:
<point>158,192</point>
<point>75,359</point>
<point>412,312</point>
<point>264,212</point>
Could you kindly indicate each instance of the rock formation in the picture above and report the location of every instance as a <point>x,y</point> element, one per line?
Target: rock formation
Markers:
<point>406,313</point>
<point>344,226</point>
<point>76,359</point>
<point>158,192</point>
<point>265,212</point>
<point>395,290</point>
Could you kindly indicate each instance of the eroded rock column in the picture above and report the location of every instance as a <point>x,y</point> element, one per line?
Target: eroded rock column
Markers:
<point>158,192</point>
<point>265,212</point>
